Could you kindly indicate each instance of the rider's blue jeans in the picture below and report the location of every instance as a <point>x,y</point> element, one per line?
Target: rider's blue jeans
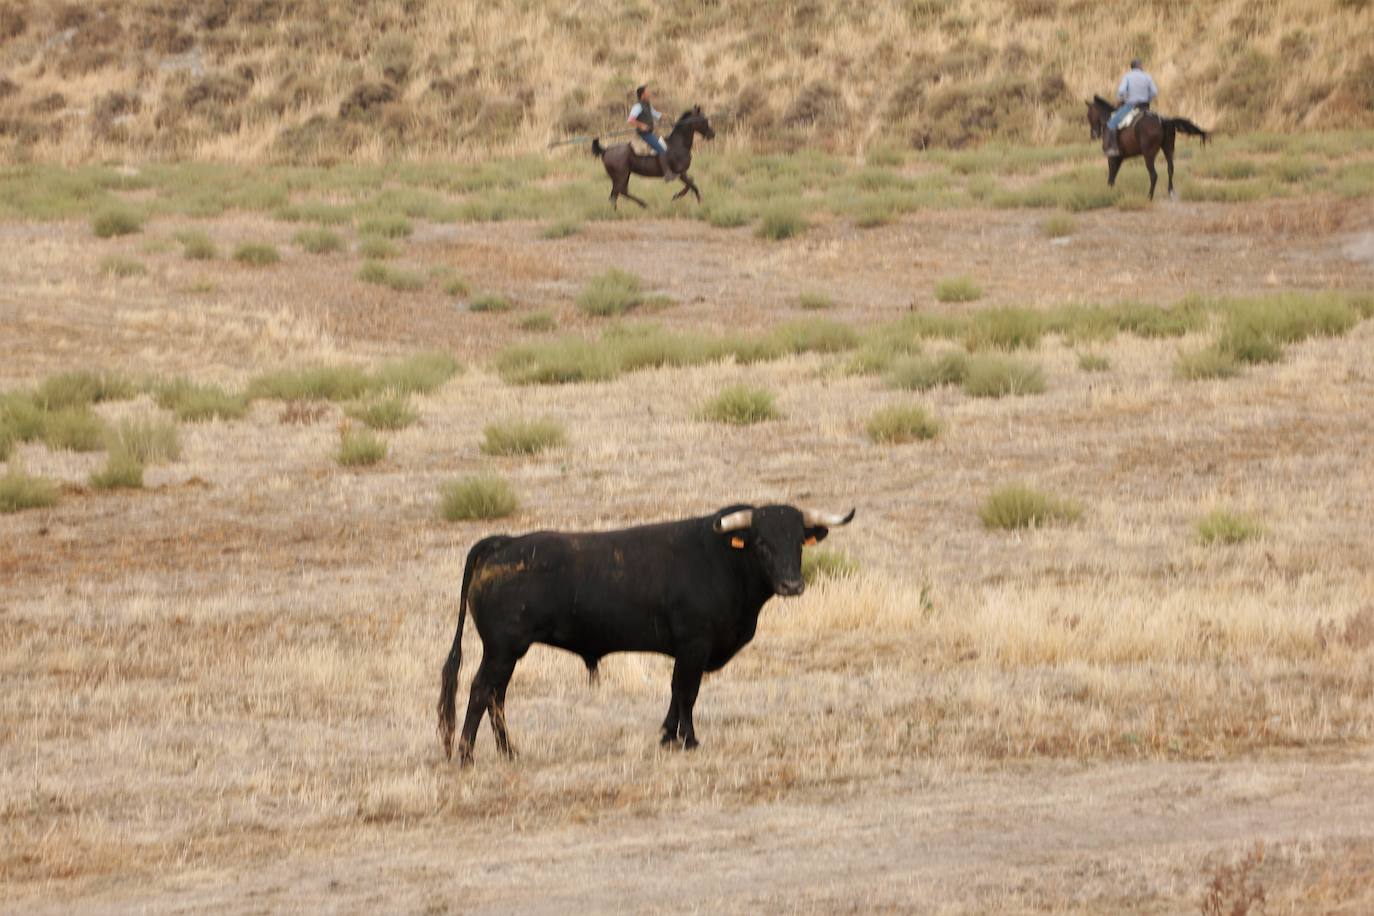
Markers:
<point>655,144</point>
<point>1115,121</point>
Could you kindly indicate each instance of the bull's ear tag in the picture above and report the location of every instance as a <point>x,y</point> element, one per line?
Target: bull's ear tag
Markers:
<point>810,542</point>
<point>737,543</point>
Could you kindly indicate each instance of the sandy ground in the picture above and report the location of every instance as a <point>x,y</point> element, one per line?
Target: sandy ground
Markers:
<point>218,692</point>
<point>1061,837</point>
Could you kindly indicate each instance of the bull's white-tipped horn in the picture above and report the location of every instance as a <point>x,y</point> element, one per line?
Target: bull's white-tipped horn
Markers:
<point>814,519</point>
<point>735,521</point>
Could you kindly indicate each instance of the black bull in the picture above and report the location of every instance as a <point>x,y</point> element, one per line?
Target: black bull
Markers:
<point>691,590</point>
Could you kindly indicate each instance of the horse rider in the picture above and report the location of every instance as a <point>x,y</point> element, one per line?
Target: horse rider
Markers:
<point>1137,90</point>
<point>644,118</point>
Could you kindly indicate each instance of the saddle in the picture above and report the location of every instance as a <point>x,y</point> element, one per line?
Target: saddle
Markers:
<point>1135,114</point>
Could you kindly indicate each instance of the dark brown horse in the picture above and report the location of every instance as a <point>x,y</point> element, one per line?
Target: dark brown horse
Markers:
<point>1146,137</point>
<point>621,160</point>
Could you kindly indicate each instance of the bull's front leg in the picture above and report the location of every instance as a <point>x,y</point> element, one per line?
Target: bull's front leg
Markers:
<point>687,671</point>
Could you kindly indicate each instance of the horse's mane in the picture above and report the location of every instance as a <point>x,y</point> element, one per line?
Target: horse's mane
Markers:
<point>1100,102</point>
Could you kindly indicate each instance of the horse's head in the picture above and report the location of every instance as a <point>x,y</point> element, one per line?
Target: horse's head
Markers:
<point>697,121</point>
<point>1099,110</point>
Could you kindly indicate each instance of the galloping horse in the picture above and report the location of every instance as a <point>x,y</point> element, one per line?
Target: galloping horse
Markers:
<point>620,160</point>
<point>1146,137</point>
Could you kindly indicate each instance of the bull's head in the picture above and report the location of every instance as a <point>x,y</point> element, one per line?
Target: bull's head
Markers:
<point>776,535</point>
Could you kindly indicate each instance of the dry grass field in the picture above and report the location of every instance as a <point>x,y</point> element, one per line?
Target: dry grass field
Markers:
<point>218,686</point>
<point>309,80</point>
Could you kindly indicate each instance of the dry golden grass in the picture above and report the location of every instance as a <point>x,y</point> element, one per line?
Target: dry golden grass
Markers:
<point>228,679</point>
<point>253,81</point>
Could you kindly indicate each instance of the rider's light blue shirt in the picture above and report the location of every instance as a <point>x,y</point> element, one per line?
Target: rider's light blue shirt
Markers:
<point>1137,87</point>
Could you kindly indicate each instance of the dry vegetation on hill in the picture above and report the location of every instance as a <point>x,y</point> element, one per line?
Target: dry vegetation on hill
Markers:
<point>312,80</point>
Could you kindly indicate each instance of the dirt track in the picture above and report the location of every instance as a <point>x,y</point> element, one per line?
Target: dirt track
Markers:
<point>1123,837</point>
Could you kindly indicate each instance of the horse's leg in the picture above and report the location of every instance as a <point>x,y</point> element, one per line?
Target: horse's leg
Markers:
<point>636,199</point>
<point>1150,167</point>
<point>1113,166</point>
<point>692,186</point>
<point>1168,148</point>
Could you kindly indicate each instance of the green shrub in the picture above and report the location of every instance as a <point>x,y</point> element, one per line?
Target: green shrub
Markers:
<point>1209,363</point>
<point>614,292</point>
<point>256,254</point>
<point>1005,329</point>
<point>1153,322</point>
<point>1291,317</point>
<point>1018,506</point>
<point>922,374</point>
<point>999,376</point>
<point>328,383</point>
<point>145,440</point>
<point>740,405</point>
<point>82,387</point>
<point>958,289</point>
<point>318,241</point>
<point>456,286</point>
<point>193,403</point>
<point>1222,526</point>
<point>74,429</point>
<point>116,221</point>
<point>197,246</point>
<point>421,373</point>
<point>1248,344</point>
<point>390,227</point>
<point>489,302</point>
<point>558,362</point>
<point>823,563</point>
<point>522,437</point>
<point>377,249</point>
<point>900,424</point>
<point>8,438</point>
<point>1057,226</point>
<point>383,413</point>
<point>538,321</point>
<point>813,302</point>
<point>122,471</point>
<point>561,229</point>
<point>19,491</point>
<point>117,265</point>
<point>477,498</point>
<point>727,216</point>
<point>1093,362</point>
<point>22,415</point>
<point>360,448</point>
<point>814,335</point>
<point>402,281</point>
<point>782,221</point>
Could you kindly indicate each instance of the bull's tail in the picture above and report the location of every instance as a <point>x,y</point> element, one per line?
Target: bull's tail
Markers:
<point>1184,126</point>
<point>448,681</point>
<point>597,149</point>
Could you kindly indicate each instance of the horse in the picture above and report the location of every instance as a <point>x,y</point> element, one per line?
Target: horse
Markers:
<point>620,160</point>
<point>1146,137</point>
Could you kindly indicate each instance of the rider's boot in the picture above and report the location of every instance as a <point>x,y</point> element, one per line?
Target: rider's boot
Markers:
<point>668,173</point>
<point>1109,143</point>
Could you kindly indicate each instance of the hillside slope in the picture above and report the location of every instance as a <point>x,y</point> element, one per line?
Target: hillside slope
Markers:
<point>315,80</point>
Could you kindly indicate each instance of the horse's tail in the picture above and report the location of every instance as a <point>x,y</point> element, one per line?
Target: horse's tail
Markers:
<point>448,681</point>
<point>1184,126</point>
<point>597,149</point>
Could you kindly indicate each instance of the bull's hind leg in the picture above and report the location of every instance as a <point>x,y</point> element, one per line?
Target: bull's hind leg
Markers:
<point>670,722</point>
<point>488,693</point>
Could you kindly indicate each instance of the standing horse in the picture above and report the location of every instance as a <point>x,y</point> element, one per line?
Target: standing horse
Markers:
<point>1146,137</point>
<point>620,160</point>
